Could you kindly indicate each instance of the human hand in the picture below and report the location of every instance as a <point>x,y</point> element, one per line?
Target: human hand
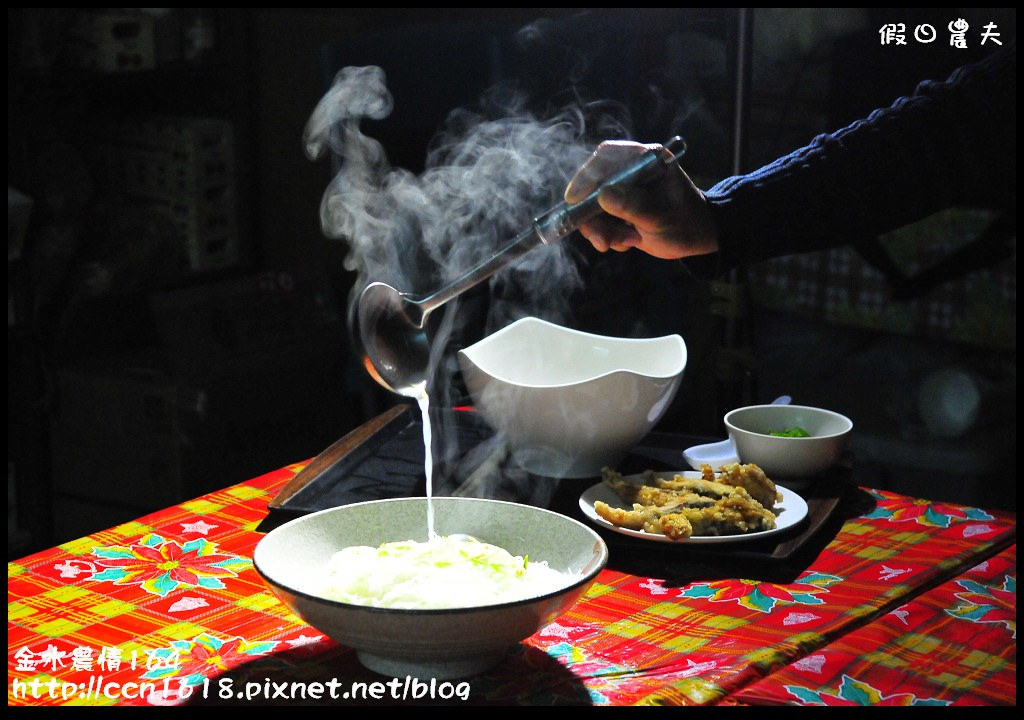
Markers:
<point>667,217</point>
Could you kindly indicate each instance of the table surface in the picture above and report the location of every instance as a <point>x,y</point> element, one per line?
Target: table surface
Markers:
<point>903,602</point>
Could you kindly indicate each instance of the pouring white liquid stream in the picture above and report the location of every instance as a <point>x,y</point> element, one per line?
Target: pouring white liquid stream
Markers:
<point>423,400</point>
<point>444,572</point>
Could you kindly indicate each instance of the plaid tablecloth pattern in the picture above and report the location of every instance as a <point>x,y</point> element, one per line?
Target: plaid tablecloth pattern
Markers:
<point>950,645</point>
<point>169,610</point>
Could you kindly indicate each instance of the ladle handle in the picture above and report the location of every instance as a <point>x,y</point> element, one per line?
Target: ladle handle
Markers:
<point>511,252</point>
<point>564,219</point>
<point>552,226</point>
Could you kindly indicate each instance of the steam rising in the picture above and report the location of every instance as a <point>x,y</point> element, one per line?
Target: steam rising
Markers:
<point>485,179</point>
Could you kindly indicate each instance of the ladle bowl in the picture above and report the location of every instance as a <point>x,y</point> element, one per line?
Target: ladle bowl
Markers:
<point>394,338</point>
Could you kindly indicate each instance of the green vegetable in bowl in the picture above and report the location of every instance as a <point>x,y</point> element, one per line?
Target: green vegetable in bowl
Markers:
<point>790,432</point>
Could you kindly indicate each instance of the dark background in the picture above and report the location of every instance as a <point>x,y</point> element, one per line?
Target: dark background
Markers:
<point>140,375</point>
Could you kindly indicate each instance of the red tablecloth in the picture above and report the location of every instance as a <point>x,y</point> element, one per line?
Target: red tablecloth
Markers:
<point>912,603</point>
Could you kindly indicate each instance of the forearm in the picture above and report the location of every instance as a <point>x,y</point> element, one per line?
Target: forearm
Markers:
<point>951,143</point>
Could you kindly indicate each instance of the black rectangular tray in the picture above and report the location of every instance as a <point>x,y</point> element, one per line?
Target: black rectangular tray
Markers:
<point>384,458</point>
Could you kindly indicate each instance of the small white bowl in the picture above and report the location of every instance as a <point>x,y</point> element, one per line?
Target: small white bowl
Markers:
<point>449,643</point>
<point>750,431</point>
<point>568,402</point>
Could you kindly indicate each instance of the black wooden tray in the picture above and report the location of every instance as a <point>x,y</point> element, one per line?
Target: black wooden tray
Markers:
<point>384,458</point>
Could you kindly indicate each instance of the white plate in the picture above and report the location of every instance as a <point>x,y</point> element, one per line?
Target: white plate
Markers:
<point>788,513</point>
<point>714,454</point>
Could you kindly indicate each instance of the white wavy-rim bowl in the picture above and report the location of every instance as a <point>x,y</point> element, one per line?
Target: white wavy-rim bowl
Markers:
<point>535,353</point>
<point>570,402</point>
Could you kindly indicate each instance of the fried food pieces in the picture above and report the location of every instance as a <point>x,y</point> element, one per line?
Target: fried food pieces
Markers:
<point>749,477</point>
<point>727,504</point>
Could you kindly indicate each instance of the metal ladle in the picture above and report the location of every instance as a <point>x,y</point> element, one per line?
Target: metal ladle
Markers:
<point>393,324</point>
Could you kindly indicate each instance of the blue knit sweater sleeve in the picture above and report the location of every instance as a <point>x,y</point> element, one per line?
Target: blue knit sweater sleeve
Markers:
<point>951,143</point>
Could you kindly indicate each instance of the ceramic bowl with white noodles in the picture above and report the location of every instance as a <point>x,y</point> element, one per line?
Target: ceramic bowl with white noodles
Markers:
<point>464,635</point>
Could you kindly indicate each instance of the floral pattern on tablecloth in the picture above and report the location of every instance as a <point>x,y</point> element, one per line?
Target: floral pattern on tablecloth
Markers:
<point>160,566</point>
<point>987,604</point>
<point>764,596</point>
<point>924,512</point>
<point>852,692</point>
<point>903,597</point>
